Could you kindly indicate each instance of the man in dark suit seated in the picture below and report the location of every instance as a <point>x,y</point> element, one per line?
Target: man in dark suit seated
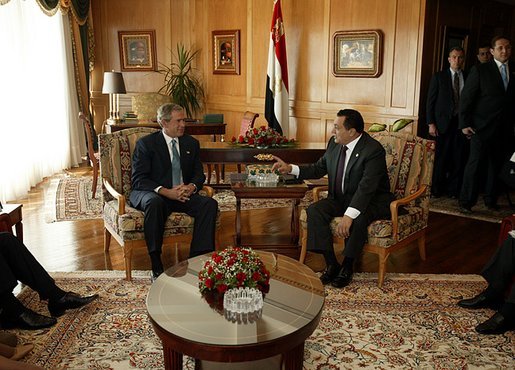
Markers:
<point>18,264</point>
<point>487,112</point>
<point>359,190</point>
<point>166,177</point>
<point>499,274</point>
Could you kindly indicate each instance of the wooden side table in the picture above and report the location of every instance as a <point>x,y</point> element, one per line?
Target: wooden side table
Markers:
<point>14,212</point>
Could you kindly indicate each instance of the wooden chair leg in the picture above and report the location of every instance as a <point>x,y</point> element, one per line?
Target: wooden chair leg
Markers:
<point>127,256</point>
<point>95,181</point>
<point>209,169</point>
<point>422,247</point>
<point>107,240</point>
<point>382,257</point>
<point>303,244</point>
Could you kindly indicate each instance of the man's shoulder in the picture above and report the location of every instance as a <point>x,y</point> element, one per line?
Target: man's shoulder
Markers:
<point>188,139</point>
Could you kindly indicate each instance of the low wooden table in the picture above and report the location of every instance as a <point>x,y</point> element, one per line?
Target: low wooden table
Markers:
<point>186,324</point>
<point>251,190</point>
<point>14,211</point>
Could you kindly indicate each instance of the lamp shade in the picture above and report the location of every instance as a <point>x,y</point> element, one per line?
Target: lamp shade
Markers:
<point>113,83</point>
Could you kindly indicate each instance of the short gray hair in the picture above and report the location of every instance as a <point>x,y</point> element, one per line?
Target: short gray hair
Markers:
<point>164,112</point>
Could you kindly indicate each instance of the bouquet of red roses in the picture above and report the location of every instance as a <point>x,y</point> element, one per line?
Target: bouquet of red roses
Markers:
<point>234,268</point>
<point>262,137</point>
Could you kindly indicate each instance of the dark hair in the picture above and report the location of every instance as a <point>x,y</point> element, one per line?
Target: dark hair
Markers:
<point>497,38</point>
<point>353,119</point>
<point>457,48</point>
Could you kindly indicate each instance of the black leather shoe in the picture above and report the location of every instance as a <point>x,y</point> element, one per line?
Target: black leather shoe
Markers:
<point>329,274</point>
<point>154,276</point>
<point>497,324</point>
<point>343,279</point>
<point>29,320</point>
<point>68,301</point>
<point>479,301</point>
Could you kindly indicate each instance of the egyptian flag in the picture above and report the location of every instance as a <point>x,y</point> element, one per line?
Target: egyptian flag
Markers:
<point>276,101</point>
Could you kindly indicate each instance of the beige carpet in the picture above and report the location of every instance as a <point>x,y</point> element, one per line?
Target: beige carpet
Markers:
<point>480,212</point>
<point>413,322</point>
<point>72,200</point>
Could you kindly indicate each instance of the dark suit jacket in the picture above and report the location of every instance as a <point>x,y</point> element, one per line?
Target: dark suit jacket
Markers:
<point>484,104</point>
<point>366,176</point>
<point>152,165</point>
<point>440,100</point>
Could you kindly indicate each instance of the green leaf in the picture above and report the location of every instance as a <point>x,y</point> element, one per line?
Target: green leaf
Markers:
<point>400,124</point>
<point>377,127</point>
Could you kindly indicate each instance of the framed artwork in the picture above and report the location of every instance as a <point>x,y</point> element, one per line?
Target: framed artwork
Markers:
<point>226,52</point>
<point>358,53</point>
<point>137,50</point>
<point>452,37</point>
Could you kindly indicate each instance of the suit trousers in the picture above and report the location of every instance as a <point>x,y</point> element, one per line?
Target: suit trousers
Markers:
<point>319,216</point>
<point>17,263</point>
<point>489,153</point>
<point>450,159</point>
<point>157,209</point>
<point>500,270</point>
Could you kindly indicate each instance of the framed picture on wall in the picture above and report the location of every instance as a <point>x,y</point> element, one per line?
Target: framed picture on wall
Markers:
<point>358,53</point>
<point>452,37</point>
<point>226,52</point>
<point>137,50</point>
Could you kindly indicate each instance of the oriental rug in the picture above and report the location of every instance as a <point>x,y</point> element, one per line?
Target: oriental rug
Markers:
<point>70,198</point>
<point>412,322</point>
<point>480,212</point>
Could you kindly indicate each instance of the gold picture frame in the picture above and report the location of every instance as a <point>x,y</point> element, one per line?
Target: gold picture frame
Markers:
<point>137,50</point>
<point>358,53</point>
<point>226,52</point>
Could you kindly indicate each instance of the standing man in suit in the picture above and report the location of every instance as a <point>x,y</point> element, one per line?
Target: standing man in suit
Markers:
<point>443,101</point>
<point>359,190</point>
<point>166,177</point>
<point>499,273</point>
<point>483,53</point>
<point>486,118</point>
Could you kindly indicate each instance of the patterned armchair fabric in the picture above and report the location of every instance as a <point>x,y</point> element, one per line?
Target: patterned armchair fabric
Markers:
<point>145,105</point>
<point>409,162</point>
<point>122,221</point>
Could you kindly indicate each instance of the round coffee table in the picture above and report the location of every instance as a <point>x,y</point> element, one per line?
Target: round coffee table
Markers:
<point>186,324</point>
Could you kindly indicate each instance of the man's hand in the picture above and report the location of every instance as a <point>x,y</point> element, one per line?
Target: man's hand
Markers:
<point>343,229</point>
<point>468,132</point>
<point>281,166</point>
<point>433,131</point>
<point>180,193</point>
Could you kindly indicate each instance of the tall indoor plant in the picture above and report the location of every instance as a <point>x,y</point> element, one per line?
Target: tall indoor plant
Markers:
<point>182,81</point>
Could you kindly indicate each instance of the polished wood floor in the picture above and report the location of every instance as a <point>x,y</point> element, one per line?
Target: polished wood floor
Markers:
<point>454,245</point>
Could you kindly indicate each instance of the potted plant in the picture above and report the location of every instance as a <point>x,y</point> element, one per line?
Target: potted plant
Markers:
<point>182,81</point>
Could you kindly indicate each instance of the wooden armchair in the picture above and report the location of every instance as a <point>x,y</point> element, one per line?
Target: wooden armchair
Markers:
<point>410,165</point>
<point>122,221</point>
<point>94,157</point>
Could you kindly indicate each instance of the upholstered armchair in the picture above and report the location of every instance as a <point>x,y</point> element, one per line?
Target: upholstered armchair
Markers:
<point>145,105</point>
<point>121,221</point>
<point>410,165</point>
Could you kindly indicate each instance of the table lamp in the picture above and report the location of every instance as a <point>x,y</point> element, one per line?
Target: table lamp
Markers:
<point>113,85</point>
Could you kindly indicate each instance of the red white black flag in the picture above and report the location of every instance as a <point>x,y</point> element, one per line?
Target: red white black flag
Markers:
<point>276,101</point>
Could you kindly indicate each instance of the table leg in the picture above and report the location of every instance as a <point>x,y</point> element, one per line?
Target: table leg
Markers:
<point>238,221</point>
<point>295,221</point>
<point>294,358</point>
<point>209,169</point>
<point>173,359</point>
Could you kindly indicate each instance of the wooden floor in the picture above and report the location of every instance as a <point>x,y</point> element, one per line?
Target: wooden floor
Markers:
<point>454,245</point>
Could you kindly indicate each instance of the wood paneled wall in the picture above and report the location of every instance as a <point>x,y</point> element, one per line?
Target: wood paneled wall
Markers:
<point>315,94</point>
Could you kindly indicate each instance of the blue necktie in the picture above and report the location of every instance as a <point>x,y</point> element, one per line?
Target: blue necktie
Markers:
<point>176,164</point>
<point>504,75</point>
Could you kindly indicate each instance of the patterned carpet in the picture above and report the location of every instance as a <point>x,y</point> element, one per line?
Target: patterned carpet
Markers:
<point>73,201</point>
<point>413,322</point>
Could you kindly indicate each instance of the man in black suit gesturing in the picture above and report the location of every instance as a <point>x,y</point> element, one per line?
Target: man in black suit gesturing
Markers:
<point>442,117</point>
<point>166,176</point>
<point>486,117</point>
<point>359,190</point>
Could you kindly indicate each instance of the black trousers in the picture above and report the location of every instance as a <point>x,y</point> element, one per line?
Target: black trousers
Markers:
<point>17,263</point>
<point>320,237</point>
<point>450,158</point>
<point>157,209</point>
<point>500,270</point>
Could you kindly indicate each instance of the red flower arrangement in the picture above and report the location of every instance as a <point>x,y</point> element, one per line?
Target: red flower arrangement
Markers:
<point>262,137</point>
<point>234,268</point>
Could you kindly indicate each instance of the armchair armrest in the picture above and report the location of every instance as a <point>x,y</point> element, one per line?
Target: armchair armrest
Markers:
<point>394,208</point>
<point>208,190</point>
<point>317,190</point>
<point>119,197</point>
<point>5,223</point>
